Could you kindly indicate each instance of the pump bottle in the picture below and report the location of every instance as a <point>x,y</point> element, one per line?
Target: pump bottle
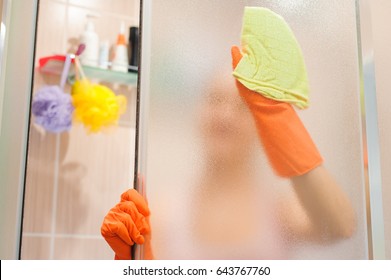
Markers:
<point>120,60</point>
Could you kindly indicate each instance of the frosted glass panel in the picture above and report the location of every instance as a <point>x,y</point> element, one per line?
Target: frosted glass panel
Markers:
<point>381,55</point>
<point>211,190</point>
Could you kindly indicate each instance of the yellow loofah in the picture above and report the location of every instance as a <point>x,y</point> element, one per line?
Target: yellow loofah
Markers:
<point>96,106</point>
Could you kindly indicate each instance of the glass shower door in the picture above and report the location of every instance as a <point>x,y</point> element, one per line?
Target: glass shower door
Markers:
<point>211,190</point>
<point>73,178</point>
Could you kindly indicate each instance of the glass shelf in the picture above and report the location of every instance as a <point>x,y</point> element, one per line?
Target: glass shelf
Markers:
<point>55,64</point>
<point>129,78</point>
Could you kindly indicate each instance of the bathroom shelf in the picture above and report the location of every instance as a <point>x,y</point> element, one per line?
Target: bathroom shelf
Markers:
<point>104,75</point>
<point>54,65</point>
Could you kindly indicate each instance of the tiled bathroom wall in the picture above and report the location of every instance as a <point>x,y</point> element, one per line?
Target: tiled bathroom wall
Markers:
<point>1,9</point>
<point>74,178</point>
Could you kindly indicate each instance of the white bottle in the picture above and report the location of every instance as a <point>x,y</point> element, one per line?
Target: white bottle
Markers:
<point>120,60</point>
<point>104,55</point>
<point>90,39</point>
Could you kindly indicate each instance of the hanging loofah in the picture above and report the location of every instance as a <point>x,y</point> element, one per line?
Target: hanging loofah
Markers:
<point>96,106</point>
<point>52,109</point>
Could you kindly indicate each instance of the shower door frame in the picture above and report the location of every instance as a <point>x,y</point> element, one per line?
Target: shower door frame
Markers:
<point>373,186</point>
<point>18,36</point>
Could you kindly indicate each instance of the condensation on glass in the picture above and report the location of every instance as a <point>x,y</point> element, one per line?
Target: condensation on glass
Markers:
<point>211,191</point>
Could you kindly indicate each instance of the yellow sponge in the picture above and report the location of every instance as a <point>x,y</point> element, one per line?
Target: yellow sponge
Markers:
<point>272,62</point>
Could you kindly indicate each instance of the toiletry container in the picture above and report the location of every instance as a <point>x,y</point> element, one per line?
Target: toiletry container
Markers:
<point>91,41</point>
<point>120,60</point>
<point>133,44</point>
<point>104,54</point>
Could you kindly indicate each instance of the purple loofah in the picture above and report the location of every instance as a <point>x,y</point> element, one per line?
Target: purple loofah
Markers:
<point>52,109</point>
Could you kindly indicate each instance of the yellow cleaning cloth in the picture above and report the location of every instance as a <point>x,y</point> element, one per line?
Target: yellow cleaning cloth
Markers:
<point>272,62</point>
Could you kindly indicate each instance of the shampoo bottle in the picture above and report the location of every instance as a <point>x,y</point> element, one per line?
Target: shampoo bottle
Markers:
<point>133,43</point>
<point>91,41</point>
<point>120,60</point>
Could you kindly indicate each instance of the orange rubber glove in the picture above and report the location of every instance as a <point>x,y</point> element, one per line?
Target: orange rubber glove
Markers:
<point>287,143</point>
<point>128,223</point>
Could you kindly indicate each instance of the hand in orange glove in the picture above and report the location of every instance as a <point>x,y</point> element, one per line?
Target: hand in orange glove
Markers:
<point>287,143</point>
<point>128,223</point>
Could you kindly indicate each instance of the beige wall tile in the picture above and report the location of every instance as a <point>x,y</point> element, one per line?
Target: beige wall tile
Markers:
<point>130,92</point>
<point>39,182</point>
<point>106,26</point>
<point>120,7</point>
<point>51,29</point>
<point>82,249</point>
<point>96,169</point>
<point>137,7</point>
<point>35,248</point>
<point>1,9</point>
<point>41,80</point>
<point>38,208</point>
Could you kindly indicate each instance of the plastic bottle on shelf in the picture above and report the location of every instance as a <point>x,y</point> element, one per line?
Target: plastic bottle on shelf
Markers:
<point>120,60</point>
<point>104,55</point>
<point>91,41</point>
<point>133,43</point>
